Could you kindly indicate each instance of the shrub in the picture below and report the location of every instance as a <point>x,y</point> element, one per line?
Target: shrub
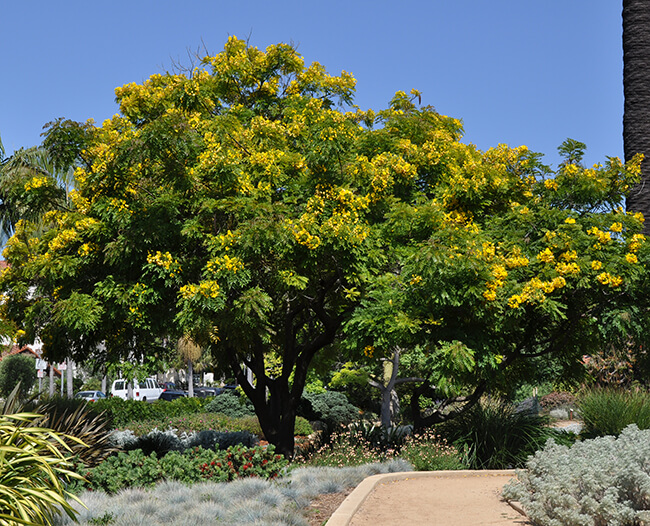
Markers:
<point>493,435</point>
<point>609,411</point>
<point>594,482</point>
<point>122,412</point>
<point>195,423</point>
<point>135,469</point>
<point>17,369</point>
<point>425,452</point>
<point>330,407</point>
<point>220,439</point>
<point>557,399</point>
<point>430,452</point>
<point>33,471</point>
<point>303,427</point>
<point>162,442</point>
<point>230,404</point>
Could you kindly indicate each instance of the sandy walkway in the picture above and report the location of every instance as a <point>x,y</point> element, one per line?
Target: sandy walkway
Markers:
<point>456,498</point>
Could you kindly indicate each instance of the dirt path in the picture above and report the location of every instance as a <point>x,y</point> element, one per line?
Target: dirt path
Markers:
<point>462,498</point>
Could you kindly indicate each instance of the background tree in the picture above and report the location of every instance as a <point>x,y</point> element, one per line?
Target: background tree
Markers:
<point>190,353</point>
<point>636,91</point>
<point>15,369</point>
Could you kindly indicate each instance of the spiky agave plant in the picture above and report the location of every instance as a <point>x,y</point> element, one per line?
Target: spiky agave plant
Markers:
<point>33,471</point>
<point>91,431</point>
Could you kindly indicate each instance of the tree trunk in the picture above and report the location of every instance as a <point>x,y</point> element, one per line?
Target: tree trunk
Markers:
<point>70,377</point>
<point>190,379</point>
<point>636,90</point>
<point>274,400</point>
<point>51,380</point>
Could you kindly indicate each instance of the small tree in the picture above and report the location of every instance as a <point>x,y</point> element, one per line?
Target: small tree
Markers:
<point>189,352</point>
<point>15,369</point>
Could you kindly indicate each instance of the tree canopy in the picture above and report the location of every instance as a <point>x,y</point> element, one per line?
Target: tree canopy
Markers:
<point>249,206</point>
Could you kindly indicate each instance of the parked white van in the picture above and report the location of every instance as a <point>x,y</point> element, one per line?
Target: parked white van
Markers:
<point>145,390</point>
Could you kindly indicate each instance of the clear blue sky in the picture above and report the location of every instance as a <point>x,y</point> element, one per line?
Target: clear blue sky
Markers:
<point>530,72</point>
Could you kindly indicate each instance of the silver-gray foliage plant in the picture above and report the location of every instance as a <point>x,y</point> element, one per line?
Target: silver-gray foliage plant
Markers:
<point>599,482</point>
<point>248,501</point>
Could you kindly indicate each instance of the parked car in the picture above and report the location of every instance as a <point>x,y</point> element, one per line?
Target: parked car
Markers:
<point>147,390</point>
<point>90,396</point>
<point>204,392</point>
<point>172,394</point>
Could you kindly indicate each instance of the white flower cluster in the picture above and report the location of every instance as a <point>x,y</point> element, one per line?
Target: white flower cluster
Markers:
<point>604,481</point>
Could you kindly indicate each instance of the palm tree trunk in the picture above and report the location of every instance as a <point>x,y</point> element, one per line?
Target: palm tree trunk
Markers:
<point>636,90</point>
<point>190,379</point>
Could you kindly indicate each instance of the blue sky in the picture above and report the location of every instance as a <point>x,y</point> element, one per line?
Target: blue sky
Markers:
<point>530,72</point>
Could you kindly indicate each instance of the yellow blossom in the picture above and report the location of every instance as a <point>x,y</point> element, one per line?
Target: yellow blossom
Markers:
<point>515,300</point>
<point>499,272</point>
<point>567,268</point>
<point>490,294</point>
<point>546,255</point>
<point>550,184</point>
<point>631,258</point>
<point>605,278</point>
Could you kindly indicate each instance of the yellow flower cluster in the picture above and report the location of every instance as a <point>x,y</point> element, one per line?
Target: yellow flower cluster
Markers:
<point>596,265</point>
<point>563,268</point>
<point>569,255</point>
<point>570,221</point>
<point>535,291</point>
<point>415,280</point>
<point>62,239</point>
<point>603,237</point>
<point>571,169</point>
<point>208,289</point>
<point>631,258</point>
<point>161,259</point>
<point>635,242</point>
<point>500,274</point>
<point>638,216</point>
<point>226,263</point>
<point>515,300</point>
<point>85,249</point>
<point>369,350</point>
<point>303,237</point>
<point>550,184</point>
<point>488,251</point>
<point>546,255</point>
<point>516,260</point>
<point>616,227</point>
<point>165,261</point>
<point>35,182</point>
<point>605,278</point>
<point>491,293</point>
<point>120,204</point>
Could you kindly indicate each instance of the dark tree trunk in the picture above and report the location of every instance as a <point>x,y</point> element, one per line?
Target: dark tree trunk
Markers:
<point>448,409</point>
<point>276,399</point>
<point>275,404</point>
<point>636,90</point>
